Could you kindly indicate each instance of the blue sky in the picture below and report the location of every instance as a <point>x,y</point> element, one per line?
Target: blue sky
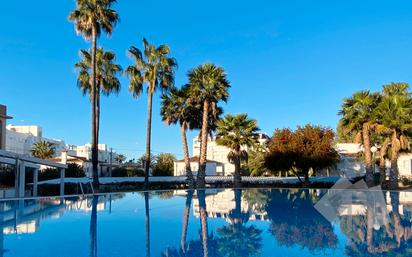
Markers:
<point>289,62</point>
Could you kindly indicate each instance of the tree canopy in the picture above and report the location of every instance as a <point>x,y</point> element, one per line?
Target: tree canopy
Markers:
<point>308,147</point>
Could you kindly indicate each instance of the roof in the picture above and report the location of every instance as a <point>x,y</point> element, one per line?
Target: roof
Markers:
<point>72,158</point>
<point>3,112</point>
<point>195,159</point>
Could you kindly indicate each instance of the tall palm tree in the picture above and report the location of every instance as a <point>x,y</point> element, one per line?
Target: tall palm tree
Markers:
<point>237,132</point>
<point>357,116</point>
<point>43,150</point>
<point>106,76</point>
<point>399,89</point>
<point>177,109</point>
<point>395,113</point>
<point>208,86</point>
<point>156,68</point>
<point>91,17</point>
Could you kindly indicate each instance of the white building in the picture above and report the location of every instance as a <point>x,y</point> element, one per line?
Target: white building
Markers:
<point>85,151</point>
<point>212,167</point>
<point>219,154</point>
<point>20,139</point>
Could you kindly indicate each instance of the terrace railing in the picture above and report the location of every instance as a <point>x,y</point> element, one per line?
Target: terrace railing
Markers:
<point>21,162</point>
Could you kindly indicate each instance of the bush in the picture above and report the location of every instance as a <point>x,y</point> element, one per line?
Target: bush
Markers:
<point>49,173</point>
<point>74,171</point>
<point>127,172</point>
<point>7,176</point>
<point>164,165</point>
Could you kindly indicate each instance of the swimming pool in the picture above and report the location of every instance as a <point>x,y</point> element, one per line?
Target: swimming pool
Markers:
<point>215,222</point>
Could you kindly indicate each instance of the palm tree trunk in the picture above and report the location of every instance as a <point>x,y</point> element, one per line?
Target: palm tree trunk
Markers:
<point>203,220</point>
<point>147,223</point>
<point>189,174</point>
<point>394,161</point>
<point>148,137</point>
<point>186,220</point>
<point>97,111</point>
<point>95,139</point>
<point>237,177</point>
<point>93,227</point>
<point>382,165</point>
<point>201,174</point>
<point>368,154</point>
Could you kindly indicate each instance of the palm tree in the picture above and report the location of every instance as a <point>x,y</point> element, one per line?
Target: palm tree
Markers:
<point>237,132</point>
<point>120,158</point>
<point>395,113</point>
<point>91,17</point>
<point>390,90</point>
<point>107,81</point>
<point>43,149</point>
<point>357,117</point>
<point>208,86</point>
<point>177,109</point>
<point>156,68</point>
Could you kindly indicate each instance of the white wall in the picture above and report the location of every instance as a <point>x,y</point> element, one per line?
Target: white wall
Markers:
<point>405,164</point>
<point>180,169</point>
<point>21,143</point>
<point>86,152</point>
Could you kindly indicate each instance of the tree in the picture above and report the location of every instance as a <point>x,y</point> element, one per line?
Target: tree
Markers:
<point>389,91</point>
<point>91,17</point>
<point>164,164</point>
<point>120,158</point>
<point>307,148</point>
<point>238,133</point>
<point>141,161</point>
<point>256,162</point>
<point>107,81</point>
<point>357,117</point>
<point>43,149</point>
<point>208,85</point>
<point>395,113</point>
<point>177,109</point>
<point>156,68</point>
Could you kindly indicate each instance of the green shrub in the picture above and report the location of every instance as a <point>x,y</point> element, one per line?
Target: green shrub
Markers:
<point>7,176</point>
<point>164,165</point>
<point>127,172</point>
<point>49,173</point>
<point>74,171</point>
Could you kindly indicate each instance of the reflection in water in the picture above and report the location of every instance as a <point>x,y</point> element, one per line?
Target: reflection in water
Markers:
<point>295,221</point>
<point>93,227</point>
<point>224,223</point>
<point>147,223</point>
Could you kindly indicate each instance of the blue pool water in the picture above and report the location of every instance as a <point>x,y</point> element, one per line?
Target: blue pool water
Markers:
<point>247,222</point>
